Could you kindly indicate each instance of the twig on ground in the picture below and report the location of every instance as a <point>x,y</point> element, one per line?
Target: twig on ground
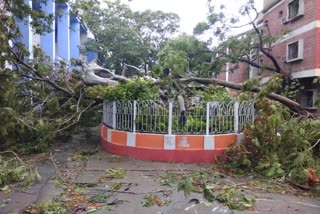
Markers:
<point>56,167</point>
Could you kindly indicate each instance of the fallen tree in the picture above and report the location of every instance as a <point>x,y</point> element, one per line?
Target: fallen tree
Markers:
<point>292,105</point>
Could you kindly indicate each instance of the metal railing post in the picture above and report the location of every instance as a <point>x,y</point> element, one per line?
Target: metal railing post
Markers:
<point>170,119</point>
<point>134,116</point>
<point>104,112</point>
<point>236,117</point>
<point>114,115</point>
<point>207,118</point>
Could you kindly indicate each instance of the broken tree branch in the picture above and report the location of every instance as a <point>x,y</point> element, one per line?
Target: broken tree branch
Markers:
<point>292,105</point>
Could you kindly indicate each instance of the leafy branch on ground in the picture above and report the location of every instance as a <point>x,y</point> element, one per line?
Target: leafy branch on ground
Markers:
<point>14,171</point>
<point>50,206</point>
<point>277,145</point>
<point>84,154</point>
<point>113,173</point>
<point>152,199</point>
<point>205,181</point>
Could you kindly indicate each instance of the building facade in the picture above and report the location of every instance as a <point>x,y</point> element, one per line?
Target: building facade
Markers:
<point>67,35</point>
<point>298,50</point>
<point>297,24</point>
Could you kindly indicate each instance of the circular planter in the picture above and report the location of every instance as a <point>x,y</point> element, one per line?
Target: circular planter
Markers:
<point>168,148</point>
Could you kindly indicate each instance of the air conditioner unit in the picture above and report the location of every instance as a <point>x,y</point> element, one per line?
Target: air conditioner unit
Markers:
<point>284,20</point>
<point>284,59</point>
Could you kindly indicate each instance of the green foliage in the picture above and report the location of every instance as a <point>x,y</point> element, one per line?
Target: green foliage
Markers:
<point>298,175</point>
<point>169,179</point>
<point>33,113</point>
<point>116,186</point>
<point>99,198</point>
<point>274,83</point>
<point>152,199</point>
<point>133,90</point>
<point>215,93</point>
<point>276,145</point>
<point>47,207</point>
<point>200,28</point>
<point>231,196</point>
<point>88,152</point>
<point>18,131</point>
<point>292,89</point>
<point>125,36</point>
<point>14,171</point>
<point>185,54</point>
<point>115,173</point>
<point>39,100</point>
<point>234,198</point>
<point>186,185</point>
<point>203,181</point>
<point>84,154</point>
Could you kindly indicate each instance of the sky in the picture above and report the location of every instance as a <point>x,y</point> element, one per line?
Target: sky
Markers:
<point>190,12</point>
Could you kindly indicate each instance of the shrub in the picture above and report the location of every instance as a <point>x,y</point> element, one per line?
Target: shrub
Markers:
<point>276,145</point>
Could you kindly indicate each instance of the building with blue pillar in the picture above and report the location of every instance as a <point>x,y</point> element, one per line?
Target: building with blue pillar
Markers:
<point>25,29</point>
<point>65,39</point>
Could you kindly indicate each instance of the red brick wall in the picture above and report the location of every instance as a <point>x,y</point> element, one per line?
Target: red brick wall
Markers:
<point>318,10</point>
<point>274,20</point>
<point>311,51</point>
<point>317,55</point>
<point>237,76</point>
<point>318,37</point>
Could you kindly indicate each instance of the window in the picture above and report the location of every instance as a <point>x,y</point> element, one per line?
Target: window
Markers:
<point>295,51</point>
<point>308,98</point>
<point>295,9</point>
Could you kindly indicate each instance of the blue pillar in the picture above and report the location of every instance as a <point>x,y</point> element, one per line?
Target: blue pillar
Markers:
<point>75,38</point>
<point>63,31</point>
<point>91,55</point>
<point>26,30</point>
<point>47,40</point>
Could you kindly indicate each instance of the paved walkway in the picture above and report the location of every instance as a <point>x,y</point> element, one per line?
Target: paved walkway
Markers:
<point>142,178</point>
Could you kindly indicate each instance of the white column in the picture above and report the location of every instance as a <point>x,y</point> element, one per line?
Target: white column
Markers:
<point>134,115</point>
<point>25,29</point>
<point>170,119</point>
<point>114,116</point>
<point>63,29</point>
<point>236,117</point>
<point>47,39</point>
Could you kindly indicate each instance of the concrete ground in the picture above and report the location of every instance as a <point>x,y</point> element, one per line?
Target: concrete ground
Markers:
<point>143,177</point>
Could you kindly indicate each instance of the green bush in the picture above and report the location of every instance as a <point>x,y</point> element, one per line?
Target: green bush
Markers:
<point>136,89</point>
<point>276,145</point>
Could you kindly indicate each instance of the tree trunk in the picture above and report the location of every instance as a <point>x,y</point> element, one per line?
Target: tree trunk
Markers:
<point>292,105</point>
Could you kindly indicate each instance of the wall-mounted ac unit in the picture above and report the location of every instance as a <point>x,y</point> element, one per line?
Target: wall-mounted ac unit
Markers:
<point>284,20</point>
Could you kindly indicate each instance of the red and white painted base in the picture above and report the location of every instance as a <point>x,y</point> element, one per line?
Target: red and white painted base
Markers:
<point>168,148</point>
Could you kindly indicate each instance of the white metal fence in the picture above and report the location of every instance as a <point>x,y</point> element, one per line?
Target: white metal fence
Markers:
<point>152,117</point>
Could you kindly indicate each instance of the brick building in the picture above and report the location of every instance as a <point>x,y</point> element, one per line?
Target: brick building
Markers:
<point>298,51</point>
<point>297,23</point>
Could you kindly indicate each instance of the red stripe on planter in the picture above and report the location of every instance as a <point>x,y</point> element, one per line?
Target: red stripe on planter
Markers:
<point>154,141</point>
<point>183,156</point>
<point>119,137</point>
<point>224,141</point>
